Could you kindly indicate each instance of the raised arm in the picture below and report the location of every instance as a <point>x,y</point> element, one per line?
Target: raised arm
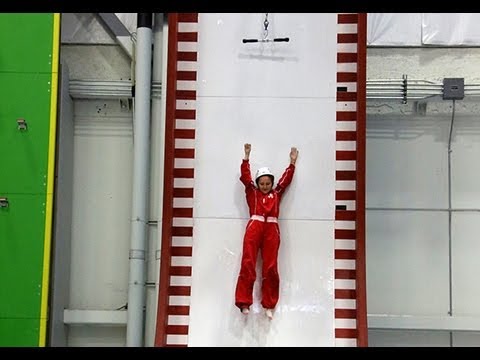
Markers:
<point>246,175</point>
<point>247,148</point>
<point>287,176</point>
<point>293,155</point>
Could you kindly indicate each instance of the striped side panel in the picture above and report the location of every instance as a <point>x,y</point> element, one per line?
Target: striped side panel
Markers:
<point>177,231</point>
<point>349,262</point>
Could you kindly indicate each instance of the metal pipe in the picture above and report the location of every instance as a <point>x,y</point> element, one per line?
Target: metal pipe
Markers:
<point>94,89</point>
<point>141,150</point>
<point>159,71</point>
<point>377,89</point>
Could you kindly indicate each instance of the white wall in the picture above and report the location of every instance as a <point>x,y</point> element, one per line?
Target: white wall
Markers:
<point>423,29</point>
<point>273,95</point>
<point>413,280</point>
<point>100,216</point>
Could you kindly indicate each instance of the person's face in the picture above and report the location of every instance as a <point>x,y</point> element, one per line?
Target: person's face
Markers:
<point>265,184</point>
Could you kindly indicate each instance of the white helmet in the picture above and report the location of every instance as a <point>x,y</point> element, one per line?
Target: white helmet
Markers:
<point>263,171</point>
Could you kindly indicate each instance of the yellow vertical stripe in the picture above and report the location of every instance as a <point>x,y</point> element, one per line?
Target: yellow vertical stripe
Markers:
<point>50,180</point>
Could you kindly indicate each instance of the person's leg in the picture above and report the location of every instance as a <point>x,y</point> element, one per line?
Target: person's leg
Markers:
<point>247,274</point>
<point>270,277</point>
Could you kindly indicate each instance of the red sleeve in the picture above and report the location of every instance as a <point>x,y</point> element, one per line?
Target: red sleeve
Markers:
<point>285,180</point>
<point>246,175</point>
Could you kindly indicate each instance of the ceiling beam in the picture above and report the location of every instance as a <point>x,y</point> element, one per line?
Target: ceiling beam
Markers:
<point>121,33</point>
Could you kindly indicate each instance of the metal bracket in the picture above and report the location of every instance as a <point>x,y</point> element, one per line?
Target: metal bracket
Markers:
<point>404,89</point>
<point>4,202</point>
<point>125,105</point>
<point>21,124</point>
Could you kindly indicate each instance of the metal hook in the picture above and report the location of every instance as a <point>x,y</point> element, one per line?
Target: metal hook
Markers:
<point>265,35</point>
<point>265,25</point>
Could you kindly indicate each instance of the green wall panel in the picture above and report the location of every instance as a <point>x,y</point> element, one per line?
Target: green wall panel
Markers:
<point>19,332</point>
<point>24,156</point>
<point>26,74</point>
<point>21,247</point>
<point>26,42</point>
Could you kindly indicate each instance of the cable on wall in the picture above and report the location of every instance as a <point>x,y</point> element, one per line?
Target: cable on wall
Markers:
<point>450,280</point>
<point>453,89</point>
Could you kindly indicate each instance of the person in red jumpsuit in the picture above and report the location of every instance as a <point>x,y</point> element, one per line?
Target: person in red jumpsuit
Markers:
<point>261,233</point>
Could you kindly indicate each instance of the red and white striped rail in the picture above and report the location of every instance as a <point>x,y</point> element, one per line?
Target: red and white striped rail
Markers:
<point>349,258</point>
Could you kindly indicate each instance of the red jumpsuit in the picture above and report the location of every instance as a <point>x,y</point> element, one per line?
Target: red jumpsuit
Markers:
<point>262,232</point>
